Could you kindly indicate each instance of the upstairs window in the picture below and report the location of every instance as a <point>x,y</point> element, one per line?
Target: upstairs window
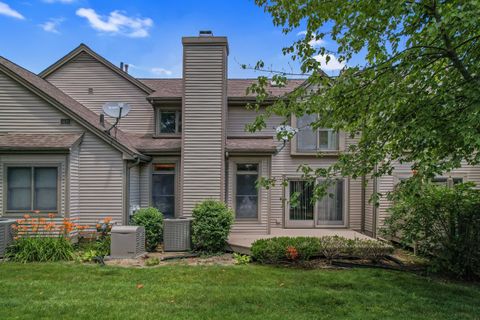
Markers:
<point>169,121</point>
<point>32,188</point>
<point>309,140</point>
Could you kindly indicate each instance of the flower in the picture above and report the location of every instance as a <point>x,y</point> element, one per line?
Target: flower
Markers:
<point>26,216</point>
<point>36,211</point>
<point>51,215</point>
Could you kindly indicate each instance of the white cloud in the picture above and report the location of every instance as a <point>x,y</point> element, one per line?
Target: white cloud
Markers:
<point>9,12</point>
<point>332,65</point>
<point>117,23</point>
<point>314,42</point>
<point>52,25</point>
<point>60,1</point>
<point>161,71</point>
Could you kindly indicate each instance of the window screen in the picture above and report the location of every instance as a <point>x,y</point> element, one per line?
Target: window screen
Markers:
<point>246,199</point>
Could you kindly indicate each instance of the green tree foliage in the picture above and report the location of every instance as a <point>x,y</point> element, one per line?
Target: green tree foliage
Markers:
<point>414,100</point>
<point>442,222</point>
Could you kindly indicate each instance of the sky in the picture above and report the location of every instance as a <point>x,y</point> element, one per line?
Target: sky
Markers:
<point>146,34</point>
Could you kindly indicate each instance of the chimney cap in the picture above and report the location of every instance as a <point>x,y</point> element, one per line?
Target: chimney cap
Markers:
<point>205,33</point>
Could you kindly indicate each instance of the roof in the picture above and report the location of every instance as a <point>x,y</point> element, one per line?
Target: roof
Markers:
<point>84,48</point>
<point>251,144</point>
<point>149,144</point>
<point>66,104</point>
<point>51,142</point>
<point>236,88</point>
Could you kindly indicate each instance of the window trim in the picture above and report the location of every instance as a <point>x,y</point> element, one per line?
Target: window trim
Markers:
<point>398,177</point>
<point>175,161</point>
<point>324,152</point>
<point>32,165</point>
<point>236,162</point>
<point>157,116</point>
<point>315,225</point>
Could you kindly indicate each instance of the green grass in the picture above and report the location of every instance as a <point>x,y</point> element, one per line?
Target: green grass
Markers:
<point>35,291</point>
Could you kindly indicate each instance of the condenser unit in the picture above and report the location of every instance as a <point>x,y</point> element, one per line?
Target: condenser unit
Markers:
<point>5,234</point>
<point>127,242</point>
<point>177,234</point>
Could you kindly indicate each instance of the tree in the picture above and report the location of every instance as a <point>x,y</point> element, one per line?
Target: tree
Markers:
<point>416,99</point>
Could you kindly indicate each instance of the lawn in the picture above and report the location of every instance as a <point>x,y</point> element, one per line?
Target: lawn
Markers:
<point>34,291</point>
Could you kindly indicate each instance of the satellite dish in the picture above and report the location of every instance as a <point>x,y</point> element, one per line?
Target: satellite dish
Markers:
<point>116,109</point>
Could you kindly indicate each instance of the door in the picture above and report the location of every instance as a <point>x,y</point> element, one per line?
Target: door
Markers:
<point>302,212</point>
<point>163,188</point>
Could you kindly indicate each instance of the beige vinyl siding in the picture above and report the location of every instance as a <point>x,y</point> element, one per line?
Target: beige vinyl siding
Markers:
<point>369,207</point>
<point>259,226</point>
<point>74,182</point>
<point>98,187</point>
<point>239,116</point>
<point>204,108</point>
<point>145,188</point>
<point>101,181</point>
<point>355,203</point>
<point>134,188</point>
<point>84,72</point>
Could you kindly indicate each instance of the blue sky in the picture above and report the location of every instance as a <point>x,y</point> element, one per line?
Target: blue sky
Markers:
<point>145,34</point>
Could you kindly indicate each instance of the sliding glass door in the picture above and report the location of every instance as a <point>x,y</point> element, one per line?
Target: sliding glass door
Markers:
<point>303,212</point>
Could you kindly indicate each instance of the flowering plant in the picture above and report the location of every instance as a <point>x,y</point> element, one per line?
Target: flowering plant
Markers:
<point>104,227</point>
<point>31,226</point>
<point>292,253</point>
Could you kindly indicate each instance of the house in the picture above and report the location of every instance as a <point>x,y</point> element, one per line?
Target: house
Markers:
<point>183,141</point>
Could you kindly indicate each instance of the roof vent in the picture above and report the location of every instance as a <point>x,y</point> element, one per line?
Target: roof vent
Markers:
<point>205,33</point>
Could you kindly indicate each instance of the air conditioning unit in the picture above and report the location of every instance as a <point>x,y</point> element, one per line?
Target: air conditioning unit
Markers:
<point>127,242</point>
<point>5,234</point>
<point>177,234</point>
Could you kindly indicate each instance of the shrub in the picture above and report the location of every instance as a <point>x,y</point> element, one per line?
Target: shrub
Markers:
<point>281,249</point>
<point>443,223</point>
<point>332,247</point>
<point>371,249</point>
<point>39,249</point>
<point>241,258</point>
<point>211,226</point>
<point>150,262</point>
<point>152,220</point>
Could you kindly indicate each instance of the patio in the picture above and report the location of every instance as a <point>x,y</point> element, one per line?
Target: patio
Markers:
<point>242,242</point>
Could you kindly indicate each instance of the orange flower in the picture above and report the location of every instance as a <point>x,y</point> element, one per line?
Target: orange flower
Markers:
<point>51,215</point>
<point>107,219</point>
<point>27,216</point>
<point>14,226</point>
<point>36,211</point>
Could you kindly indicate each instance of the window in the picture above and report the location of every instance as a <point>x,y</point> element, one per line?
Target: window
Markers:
<point>309,140</point>
<point>246,198</point>
<point>169,121</point>
<point>163,188</point>
<point>448,182</point>
<point>330,207</point>
<point>32,188</point>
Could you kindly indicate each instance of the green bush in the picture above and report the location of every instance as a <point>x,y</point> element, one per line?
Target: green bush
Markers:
<point>283,249</point>
<point>40,249</point>
<point>241,258</point>
<point>150,262</point>
<point>443,223</point>
<point>152,220</point>
<point>279,249</point>
<point>370,249</point>
<point>211,225</point>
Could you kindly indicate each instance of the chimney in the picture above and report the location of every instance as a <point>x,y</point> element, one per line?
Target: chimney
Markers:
<point>204,119</point>
<point>121,66</point>
<point>126,68</point>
